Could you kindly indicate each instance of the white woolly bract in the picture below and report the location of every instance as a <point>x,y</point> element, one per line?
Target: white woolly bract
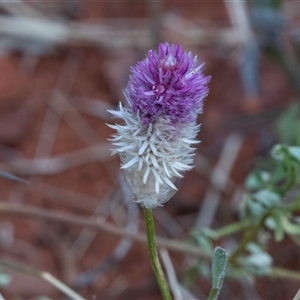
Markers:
<point>153,157</point>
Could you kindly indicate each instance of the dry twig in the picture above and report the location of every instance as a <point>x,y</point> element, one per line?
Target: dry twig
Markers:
<point>59,163</point>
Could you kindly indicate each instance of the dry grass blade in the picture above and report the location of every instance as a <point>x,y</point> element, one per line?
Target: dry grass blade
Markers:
<point>96,223</point>
<point>44,275</point>
<point>59,163</point>
<point>219,178</point>
<point>129,33</point>
<point>297,296</point>
<point>171,275</point>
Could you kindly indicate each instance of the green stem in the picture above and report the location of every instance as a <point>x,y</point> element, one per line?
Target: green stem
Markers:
<point>248,237</point>
<point>284,273</point>
<point>231,228</point>
<point>160,277</point>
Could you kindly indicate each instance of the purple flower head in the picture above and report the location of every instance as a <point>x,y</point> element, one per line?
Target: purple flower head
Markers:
<point>157,139</point>
<point>167,83</point>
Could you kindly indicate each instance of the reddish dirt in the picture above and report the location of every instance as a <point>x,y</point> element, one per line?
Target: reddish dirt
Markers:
<point>82,74</point>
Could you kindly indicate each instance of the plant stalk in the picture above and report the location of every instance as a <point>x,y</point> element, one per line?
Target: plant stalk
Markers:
<point>231,228</point>
<point>249,236</point>
<point>156,266</point>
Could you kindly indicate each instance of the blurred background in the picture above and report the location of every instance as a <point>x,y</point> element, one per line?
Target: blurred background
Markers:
<point>63,64</point>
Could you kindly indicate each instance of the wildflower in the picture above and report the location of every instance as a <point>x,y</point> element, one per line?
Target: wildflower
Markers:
<point>164,95</point>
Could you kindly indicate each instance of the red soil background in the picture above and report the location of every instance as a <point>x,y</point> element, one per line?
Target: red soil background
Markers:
<point>32,92</point>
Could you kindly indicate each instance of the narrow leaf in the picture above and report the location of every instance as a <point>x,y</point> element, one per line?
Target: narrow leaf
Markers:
<point>219,264</point>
